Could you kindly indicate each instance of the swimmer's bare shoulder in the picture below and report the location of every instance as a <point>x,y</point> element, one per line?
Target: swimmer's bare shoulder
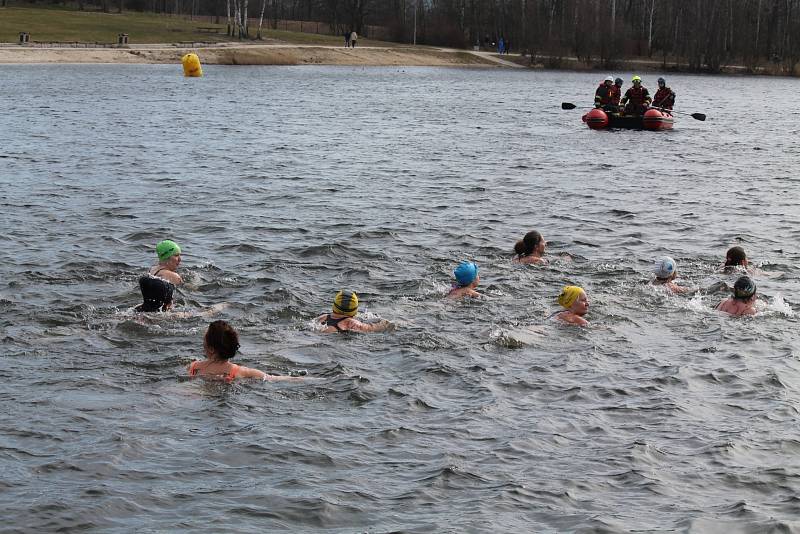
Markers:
<point>571,318</point>
<point>530,260</point>
<point>169,276</point>
<point>463,292</point>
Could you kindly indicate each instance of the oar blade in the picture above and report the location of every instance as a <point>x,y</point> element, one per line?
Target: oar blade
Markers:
<point>699,116</point>
<point>568,105</point>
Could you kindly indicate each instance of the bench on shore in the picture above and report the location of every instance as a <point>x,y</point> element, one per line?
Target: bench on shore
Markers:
<point>210,29</point>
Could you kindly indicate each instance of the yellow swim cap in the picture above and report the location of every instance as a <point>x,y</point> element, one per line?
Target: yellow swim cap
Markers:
<point>569,295</point>
<point>636,79</point>
<point>345,303</point>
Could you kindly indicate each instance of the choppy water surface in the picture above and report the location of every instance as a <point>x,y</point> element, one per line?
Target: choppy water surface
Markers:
<point>285,184</point>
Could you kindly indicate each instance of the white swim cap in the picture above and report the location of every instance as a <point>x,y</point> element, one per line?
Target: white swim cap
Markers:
<point>664,267</point>
<point>609,79</point>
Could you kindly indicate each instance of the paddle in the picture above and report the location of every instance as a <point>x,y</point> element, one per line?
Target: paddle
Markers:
<point>569,105</point>
<point>697,116</point>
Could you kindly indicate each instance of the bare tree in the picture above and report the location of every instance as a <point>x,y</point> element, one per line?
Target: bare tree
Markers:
<point>261,18</point>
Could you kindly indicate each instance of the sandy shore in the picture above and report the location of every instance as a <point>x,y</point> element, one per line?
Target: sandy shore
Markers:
<point>274,54</point>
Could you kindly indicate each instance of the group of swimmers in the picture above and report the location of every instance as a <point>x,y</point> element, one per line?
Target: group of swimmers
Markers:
<point>530,250</point>
<point>221,341</point>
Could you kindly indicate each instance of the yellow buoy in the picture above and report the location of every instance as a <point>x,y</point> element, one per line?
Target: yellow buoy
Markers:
<point>191,66</point>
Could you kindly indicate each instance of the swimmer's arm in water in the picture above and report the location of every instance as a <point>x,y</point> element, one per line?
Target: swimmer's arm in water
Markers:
<point>282,378</point>
<point>358,326</point>
<point>247,372</point>
<point>675,288</point>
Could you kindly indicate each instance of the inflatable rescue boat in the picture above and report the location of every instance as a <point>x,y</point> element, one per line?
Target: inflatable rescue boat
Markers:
<point>653,119</point>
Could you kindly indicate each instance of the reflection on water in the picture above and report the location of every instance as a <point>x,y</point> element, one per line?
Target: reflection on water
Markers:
<point>285,184</point>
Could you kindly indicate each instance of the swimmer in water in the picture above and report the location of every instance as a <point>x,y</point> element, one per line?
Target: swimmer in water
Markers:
<point>220,345</point>
<point>743,300</point>
<point>530,249</point>
<point>735,257</point>
<point>467,280</point>
<point>158,285</point>
<point>575,303</point>
<point>666,270</point>
<point>342,318</point>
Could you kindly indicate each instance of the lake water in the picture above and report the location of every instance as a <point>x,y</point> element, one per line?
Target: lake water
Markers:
<point>285,184</point>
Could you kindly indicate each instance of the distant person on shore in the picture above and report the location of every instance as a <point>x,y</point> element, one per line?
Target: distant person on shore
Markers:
<point>743,300</point>
<point>616,94</point>
<point>353,39</point>
<point>342,317</point>
<point>530,249</point>
<point>501,47</point>
<point>604,94</point>
<point>575,303</point>
<point>467,280</point>
<point>666,270</point>
<point>508,46</point>
<point>735,257</point>
<point>664,97</point>
<point>220,345</point>
<point>158,285</point>
<point>637,98</point>
<point>347,39</point>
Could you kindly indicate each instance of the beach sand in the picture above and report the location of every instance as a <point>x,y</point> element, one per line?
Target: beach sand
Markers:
<point>255,55</point>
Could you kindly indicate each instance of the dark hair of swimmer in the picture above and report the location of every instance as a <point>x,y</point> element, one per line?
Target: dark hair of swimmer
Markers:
<point>744,288</point>
<point>156,294</point>
<point>222,339</point>
<point>735,256</point>
<point>528,244</point>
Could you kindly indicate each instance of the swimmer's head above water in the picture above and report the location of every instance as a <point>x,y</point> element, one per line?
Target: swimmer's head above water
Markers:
<point>345,303</point>
<point>168,250</point>
<point>744,288</point>
<point>532,243</point>
<point>221,341</point>
<point>574,299</point>
<point>466,274</point>
<point>735,257</point>
<point>665,269</point>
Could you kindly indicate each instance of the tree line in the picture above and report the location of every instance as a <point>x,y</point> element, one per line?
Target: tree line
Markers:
<point>698,34</point>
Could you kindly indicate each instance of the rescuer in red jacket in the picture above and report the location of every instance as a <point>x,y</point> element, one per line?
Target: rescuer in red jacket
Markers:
<point>664,97</point>
<point>637,98</point>
<point>616,93</point>
<point>603,96</point>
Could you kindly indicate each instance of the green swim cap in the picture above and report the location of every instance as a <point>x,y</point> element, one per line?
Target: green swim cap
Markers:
<point>166,249</point>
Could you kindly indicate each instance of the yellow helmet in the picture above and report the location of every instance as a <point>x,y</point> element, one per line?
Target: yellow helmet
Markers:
<point>636,78</point>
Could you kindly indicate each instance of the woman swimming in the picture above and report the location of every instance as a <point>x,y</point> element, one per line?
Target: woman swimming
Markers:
<point>530,249</point>
<point>158,285</point>
<point>666,270</point>
<point>743,300</point>
<point>735,257</point>
<point>220,345</point>
<point>575,303</point>
<point>467,280</point>
<point>342,318</point>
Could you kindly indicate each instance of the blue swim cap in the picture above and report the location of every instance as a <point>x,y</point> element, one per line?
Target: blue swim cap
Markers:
<point>465,273</point>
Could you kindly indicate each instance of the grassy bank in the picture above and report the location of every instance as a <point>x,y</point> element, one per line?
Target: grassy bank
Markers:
<point>70,25</point>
